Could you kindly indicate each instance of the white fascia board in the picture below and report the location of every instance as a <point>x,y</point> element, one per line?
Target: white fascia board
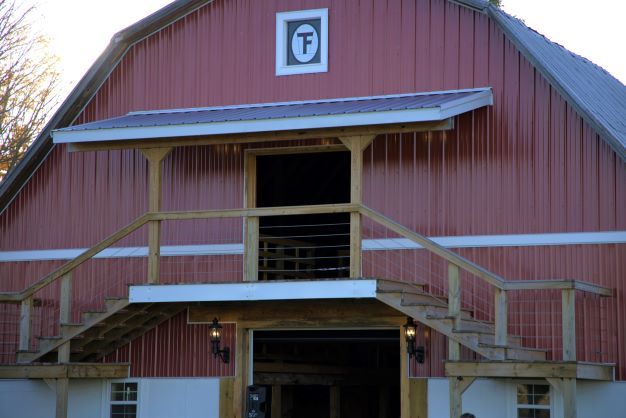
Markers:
<point>248,126</point>
<point>259,291</point>
<point>467,104</point>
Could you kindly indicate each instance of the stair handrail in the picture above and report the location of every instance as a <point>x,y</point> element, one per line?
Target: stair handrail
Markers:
<point>471,267</point>
<point>455,261</point>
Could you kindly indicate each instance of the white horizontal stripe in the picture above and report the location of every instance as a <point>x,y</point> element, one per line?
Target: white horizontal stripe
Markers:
<point>467,241</point>
<point>229,292</point>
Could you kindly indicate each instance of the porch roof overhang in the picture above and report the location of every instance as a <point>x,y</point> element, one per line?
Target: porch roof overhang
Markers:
<point>279,117</point>
<point>255,291</point>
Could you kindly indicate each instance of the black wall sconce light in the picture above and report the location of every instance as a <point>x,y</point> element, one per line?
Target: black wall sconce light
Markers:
<point>215,332</point>
<point>410,329</point>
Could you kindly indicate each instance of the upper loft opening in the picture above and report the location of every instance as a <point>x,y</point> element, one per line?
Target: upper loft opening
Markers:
<point>307,246</point>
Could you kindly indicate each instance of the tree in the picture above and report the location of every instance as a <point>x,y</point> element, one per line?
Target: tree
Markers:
<point>497,3</point>
<point>28,81</point>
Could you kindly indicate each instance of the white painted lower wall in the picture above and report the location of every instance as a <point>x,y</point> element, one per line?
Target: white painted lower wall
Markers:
<point>491,398</point>
<point>158,398</point>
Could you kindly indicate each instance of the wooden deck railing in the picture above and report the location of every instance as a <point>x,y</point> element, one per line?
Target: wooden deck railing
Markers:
<point>251,254</point>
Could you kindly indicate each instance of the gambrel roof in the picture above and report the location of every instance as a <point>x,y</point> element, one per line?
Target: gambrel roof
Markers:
<point>595,94</point>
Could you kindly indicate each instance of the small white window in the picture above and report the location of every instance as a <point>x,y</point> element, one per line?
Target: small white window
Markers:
<point>302,42</point>
<point>533,401</point>
<point>123,400</point>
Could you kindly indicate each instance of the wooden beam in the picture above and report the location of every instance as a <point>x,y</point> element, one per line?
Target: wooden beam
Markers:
<point>61,371</point>
<point>289,314</point>
<point>559,284</point>
<point>303,149</point>
<point>568,317</point>
<point>226,397</point>
<point>530,369</point>
<point>155,158</point>
<point>274,211</point>
<point>265,136</point>
<point>26,311</point>
<point>456,396</point>
<point>241,370</point>
<point>501,317</point>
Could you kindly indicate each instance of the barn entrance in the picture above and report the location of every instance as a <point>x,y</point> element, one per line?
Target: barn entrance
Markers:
<point>328,373</point>
<point>307,246</point>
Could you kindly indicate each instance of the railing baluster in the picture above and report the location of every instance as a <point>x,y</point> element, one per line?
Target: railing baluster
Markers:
<point>501,317</point>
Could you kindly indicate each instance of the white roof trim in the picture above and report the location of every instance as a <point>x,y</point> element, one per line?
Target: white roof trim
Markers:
<point>483,97</point>
<point>259,291</point>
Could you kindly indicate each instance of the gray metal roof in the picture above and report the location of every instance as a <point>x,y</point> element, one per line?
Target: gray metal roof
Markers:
<point>417,107</point>
<point>595,94</point>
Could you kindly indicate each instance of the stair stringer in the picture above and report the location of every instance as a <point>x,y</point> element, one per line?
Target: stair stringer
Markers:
<point>467,339</point>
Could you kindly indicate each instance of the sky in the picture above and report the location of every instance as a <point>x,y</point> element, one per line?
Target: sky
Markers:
<point>79,30</point>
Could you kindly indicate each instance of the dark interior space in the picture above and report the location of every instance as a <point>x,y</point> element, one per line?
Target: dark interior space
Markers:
<point>308,246</point>
<point>323,373</point>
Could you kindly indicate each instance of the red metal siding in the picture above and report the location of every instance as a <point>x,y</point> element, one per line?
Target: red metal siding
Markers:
<point>529,164</point>
<point>176,349</point>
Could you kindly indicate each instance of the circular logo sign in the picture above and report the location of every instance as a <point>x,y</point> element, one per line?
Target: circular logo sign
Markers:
<point>304,43</point>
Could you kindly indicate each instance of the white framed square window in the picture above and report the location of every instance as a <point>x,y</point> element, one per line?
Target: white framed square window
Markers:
<point>123,399</point>
<point>533,400</point>
<point>302,42</point>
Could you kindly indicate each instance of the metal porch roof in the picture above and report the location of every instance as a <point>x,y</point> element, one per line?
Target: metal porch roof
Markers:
<point>266,117</point>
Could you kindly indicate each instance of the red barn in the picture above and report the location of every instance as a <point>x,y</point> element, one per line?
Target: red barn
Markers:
<point>321,208</point>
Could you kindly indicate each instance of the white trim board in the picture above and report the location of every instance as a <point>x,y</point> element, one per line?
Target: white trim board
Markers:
<point>467,241</point>
<point>259,291</point>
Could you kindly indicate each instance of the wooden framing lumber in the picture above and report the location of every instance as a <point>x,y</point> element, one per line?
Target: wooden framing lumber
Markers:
<point>65,371</point>
<point>568,309</point>
<point>405,393</point>
<point>396,128</point>
<point>26,311</point>
<point>62,395</point>
<point>501,317</point>
<point>155,158</point>
<point>418,388</point>
<point>531,369</point>
<point>65,300</point>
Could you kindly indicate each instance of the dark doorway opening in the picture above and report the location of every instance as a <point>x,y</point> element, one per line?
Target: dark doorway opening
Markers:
<point>329,374</point>
<point>307,246</point>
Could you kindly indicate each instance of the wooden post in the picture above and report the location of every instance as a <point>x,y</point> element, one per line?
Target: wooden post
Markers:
<point>568,307</point>
<point>241,371</point>
<point>26,312</point>
<point>277,401</point>
<point>62,389</point>
<point>65,301</point>
<point>501,313</point>
<point>251,223</point>
<point>405,395</point>
<point>454,308</point>
<point>252,249</point>
<point>226,397</point>
<point>356,145</point>
<point>458,385</point>
<point>155,157</point>
<point>335,402</point>
<point>566,388</point>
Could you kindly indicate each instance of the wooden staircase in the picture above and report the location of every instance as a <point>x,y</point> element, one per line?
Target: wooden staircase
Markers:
<point>478,336</point>
<point>101,332</point>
